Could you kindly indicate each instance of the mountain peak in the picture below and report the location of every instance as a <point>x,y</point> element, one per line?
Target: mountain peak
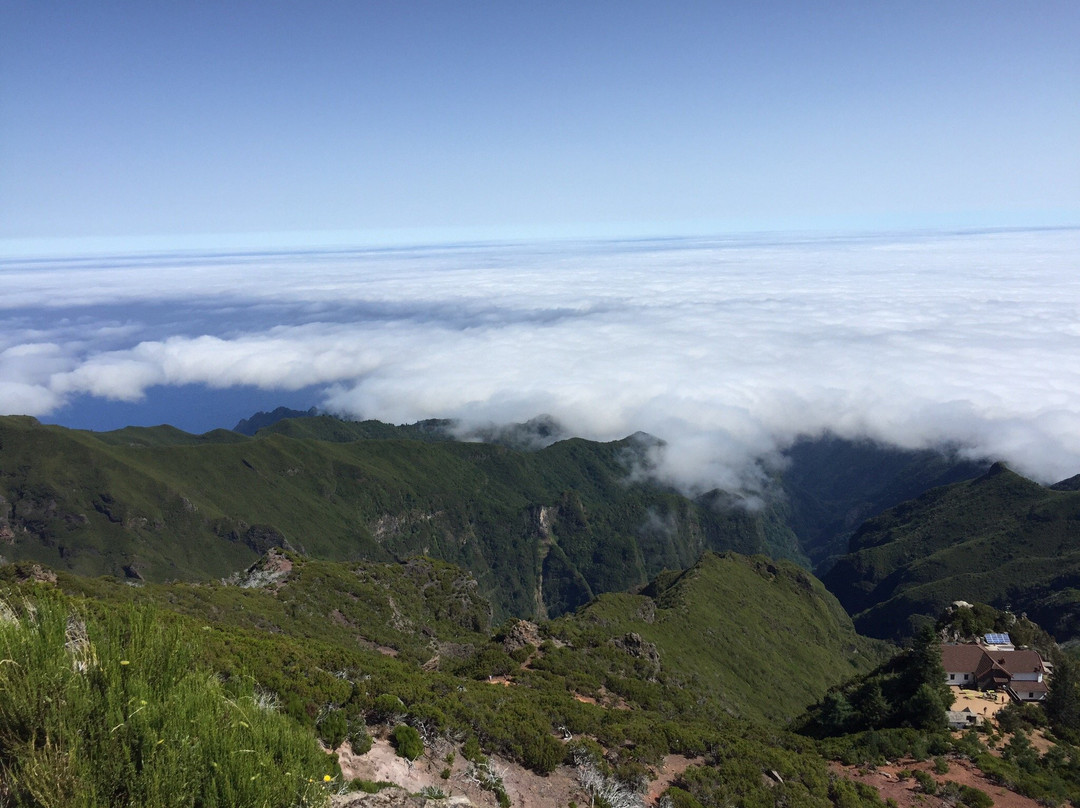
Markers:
<point>249,426</point>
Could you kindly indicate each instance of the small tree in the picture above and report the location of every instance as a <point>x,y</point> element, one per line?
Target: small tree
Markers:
<point>869,702</point>
<point>924,710</point>
<point>923,675</point>
<point>1063,701</point>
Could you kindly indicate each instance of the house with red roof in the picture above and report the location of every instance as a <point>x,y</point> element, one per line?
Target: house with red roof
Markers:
<point>1021,674</point>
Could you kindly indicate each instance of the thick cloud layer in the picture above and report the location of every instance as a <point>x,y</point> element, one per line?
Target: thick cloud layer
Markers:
<point>726,350</point>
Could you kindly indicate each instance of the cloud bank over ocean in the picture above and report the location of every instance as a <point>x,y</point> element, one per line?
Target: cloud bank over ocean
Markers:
<point>726,349</point>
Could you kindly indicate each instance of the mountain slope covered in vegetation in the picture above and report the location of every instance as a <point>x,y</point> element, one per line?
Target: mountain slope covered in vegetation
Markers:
<point>832,485</point>
<point>352,650</point>
<point>543,531</point>
<point>737,625</point>
<point>999,539</point>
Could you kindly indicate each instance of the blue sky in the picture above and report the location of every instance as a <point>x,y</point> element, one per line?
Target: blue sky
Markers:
<point>150,124</point>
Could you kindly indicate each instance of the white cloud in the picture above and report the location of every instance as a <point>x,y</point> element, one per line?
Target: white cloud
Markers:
<point>726,350</point>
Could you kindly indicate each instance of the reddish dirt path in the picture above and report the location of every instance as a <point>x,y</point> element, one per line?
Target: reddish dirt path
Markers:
<point>674,765</point>
<point>907,795</point>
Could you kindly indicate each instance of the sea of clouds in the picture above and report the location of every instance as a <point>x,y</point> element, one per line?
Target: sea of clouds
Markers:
<point>726,349</point>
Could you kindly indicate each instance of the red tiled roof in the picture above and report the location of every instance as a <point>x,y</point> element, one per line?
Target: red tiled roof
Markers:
<point>998,665</point>
<point>1018,661</point>
<point>1020,687</point>
<point>961,658</point>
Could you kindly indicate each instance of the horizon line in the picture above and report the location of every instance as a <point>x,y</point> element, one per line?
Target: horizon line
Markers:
<point>296,243</point>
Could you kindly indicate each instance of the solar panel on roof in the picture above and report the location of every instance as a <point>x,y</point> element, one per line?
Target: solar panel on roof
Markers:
<point>998,639</point>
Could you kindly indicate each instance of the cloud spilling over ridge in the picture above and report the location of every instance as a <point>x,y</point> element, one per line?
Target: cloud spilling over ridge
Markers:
<point>726,350</point>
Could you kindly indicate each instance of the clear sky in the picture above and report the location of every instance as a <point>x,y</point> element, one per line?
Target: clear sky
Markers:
<point>151,123</point>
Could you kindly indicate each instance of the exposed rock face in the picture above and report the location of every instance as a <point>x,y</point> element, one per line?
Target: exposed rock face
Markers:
<point>270,571</point>
<point>639,648</point>
<point>35,572</point>
<point>522,633</point>
<point>394,798</point>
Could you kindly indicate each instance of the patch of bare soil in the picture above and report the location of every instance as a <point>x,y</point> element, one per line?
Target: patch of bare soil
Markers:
<point>525,789</point>
<point>674,765</point>
<point>908,795</point>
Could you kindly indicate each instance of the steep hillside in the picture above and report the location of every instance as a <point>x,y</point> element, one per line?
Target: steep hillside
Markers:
<point>418,608</point>
<point>607,711</point>
<point>726,627</point>
<point>998,539</point>
<point>543,531</point>
<point>736,626</point>
<point>832,485</point>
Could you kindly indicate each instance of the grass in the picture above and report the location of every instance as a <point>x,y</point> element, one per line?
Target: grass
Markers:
<point>110,711</point>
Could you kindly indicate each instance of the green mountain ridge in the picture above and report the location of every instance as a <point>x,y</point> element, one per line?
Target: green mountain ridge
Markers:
<point>999,539</point>
<point>543,531</point>
<point>832,485</point>
<point>736,625</point>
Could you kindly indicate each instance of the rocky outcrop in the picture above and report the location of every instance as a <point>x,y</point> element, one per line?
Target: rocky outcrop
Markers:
<point>521,634</point>
<point>639,648</point>
<point>269,572</point>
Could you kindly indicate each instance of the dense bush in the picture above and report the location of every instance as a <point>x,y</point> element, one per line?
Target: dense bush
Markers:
<point>974,797</point>
<point>407,742</point>
<point>387,707</point>
<point>926,782</point>
<point>333,728</point>
<point>542,753</point>
<point>1018,716</point>
<point>359,740</point>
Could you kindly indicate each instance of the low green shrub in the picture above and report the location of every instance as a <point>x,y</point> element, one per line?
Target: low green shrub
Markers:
<point>359,740</point>
<point>369,786</point>
<point>407,742</point>
<point>333,728</point>
<point>387,707</point>
<point>974,797</point>
<point>542,753</point>
<point>926,782</point>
